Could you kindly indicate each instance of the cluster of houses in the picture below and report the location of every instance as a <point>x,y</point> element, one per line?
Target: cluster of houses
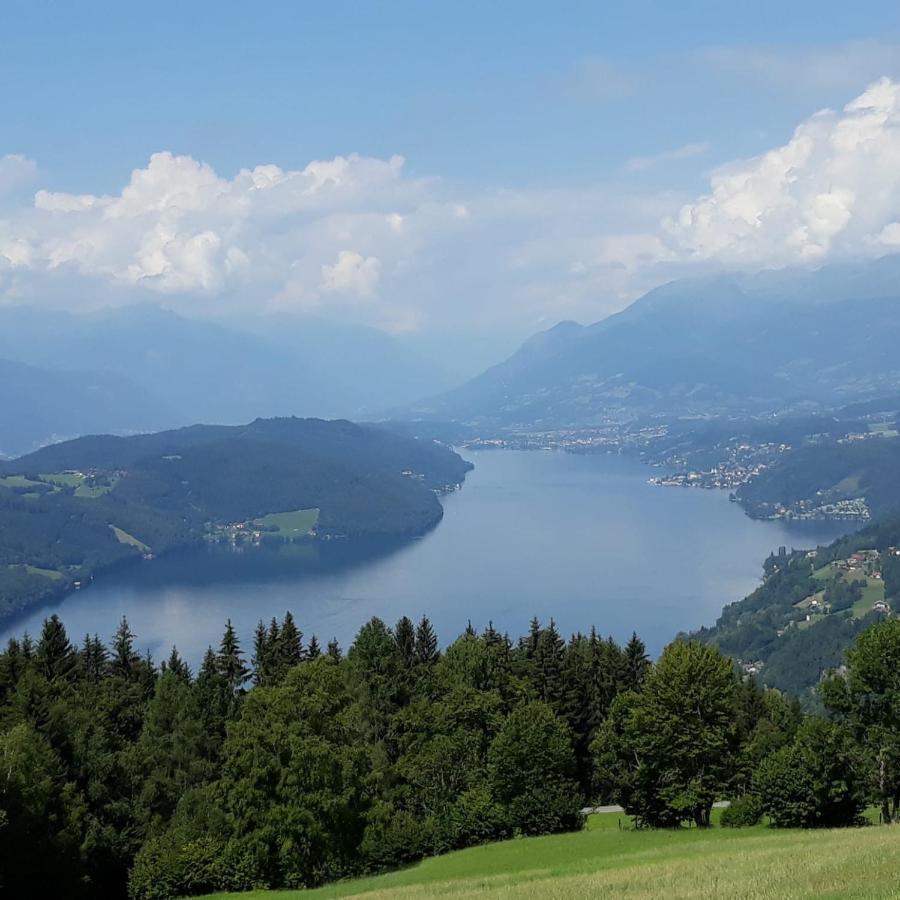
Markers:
<point>867,563</point>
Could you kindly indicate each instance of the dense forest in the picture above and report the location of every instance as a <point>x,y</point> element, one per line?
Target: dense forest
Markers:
<point>73,509</point>
<point>303,764</point>
<point>773,625</point>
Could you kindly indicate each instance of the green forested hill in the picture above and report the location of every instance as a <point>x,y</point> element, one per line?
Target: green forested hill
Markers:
<point>792,641</point>
<point>828,473</point>
<point>71,509</point>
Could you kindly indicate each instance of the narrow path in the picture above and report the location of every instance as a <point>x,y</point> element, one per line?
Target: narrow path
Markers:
<point>590,810</point>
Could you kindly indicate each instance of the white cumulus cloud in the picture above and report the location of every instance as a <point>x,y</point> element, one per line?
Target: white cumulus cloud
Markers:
<point>352,273</point>
<point>360,239</point>
<point>833,188</point>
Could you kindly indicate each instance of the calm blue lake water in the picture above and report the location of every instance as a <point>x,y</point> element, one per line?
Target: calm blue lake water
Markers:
<point>581,538</point>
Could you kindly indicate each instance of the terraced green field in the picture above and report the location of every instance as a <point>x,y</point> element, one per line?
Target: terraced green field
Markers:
<point>604,861</point>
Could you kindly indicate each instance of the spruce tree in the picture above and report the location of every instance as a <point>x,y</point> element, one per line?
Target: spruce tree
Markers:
<point>334,650</point>
<point>230,662</point>
<point>290,645</point>
<point>124,661</point>
<point>426,642</point>
<point>56,658</point>
<point>405,639</point>
<point>313,651</point>
<point>548,664</point>
<point>93,659</point>
<point>637,663</point>
<point>212,700</point>
<point>177,666</point>
<point>529,644</point>
<point>262,659</point>
<point>12,665</point>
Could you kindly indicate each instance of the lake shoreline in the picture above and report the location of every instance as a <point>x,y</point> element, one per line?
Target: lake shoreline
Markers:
<point>580,538</point>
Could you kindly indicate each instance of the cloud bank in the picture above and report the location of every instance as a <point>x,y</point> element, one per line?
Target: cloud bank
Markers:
<point>360,239</point>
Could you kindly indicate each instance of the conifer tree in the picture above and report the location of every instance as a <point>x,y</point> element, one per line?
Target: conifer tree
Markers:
<point>548,663</point>
<point>55,656</point>
<point>313,650</point>
<point>290,645</point>
<point>12,665</point>
<point>124,661</point>
<point>262,659</point>
<point>529,644</point>
<point>426,642</point>
<point>93,659</point>
<point>212,700</point>
<point>405,639</point>
<point>177,666</point>
<point>334,650</point>
<point>637,663</point>
<point>230,662</point>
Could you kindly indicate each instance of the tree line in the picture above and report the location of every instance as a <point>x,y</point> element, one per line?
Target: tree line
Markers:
<point>295,764</point>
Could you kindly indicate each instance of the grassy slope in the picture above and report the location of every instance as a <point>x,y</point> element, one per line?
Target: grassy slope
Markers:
<point>296,523</point>
<point>603,861</point>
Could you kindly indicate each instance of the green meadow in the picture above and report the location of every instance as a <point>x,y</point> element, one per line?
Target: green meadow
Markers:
<point>123,537</point>
<point>610,859</point>
<point>295,523</point>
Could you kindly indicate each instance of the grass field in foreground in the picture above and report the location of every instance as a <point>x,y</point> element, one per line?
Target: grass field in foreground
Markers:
<point>602,861</point>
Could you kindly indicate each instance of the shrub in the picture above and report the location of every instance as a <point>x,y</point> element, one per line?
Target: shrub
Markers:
<point>394,837</point>
<point>167,867</point>
<point>743,813</point>
<point>818,781</point>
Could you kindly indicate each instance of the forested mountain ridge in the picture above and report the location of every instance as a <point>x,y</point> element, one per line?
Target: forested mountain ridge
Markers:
<point>746,344</point>
<point>798,624</point>
<point>72,509</point>
<point>828,473</point>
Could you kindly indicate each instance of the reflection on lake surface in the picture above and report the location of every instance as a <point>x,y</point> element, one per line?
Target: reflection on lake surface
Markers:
<point>581,538</point>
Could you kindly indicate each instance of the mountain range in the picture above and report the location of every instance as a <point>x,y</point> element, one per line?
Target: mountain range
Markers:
<point>144,368</point>
<point>748,344</point>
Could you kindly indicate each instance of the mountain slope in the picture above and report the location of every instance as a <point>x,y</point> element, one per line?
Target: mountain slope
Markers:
<point>739,344</point>
<point>38,406</point>
<point>205,371</point>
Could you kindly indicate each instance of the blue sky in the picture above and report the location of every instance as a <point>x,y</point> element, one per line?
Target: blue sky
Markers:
<point>498,92</point>
<point>546,121</point>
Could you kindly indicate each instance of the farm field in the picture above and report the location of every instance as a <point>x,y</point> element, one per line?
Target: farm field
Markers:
<point>873,590</point>
<point>604,861</point>
<point>84,486</point>
<point>17,481</point>
<point>295,523</point>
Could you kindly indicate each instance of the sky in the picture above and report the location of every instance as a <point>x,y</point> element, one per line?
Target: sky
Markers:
<point>456,171</point>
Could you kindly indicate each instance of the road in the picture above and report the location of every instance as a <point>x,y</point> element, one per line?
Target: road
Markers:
<point>590,810</point>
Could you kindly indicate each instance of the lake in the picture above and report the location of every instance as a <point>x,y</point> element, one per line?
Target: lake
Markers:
<point>583,539</point>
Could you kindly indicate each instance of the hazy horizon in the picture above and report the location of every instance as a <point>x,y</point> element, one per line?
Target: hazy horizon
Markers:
<point>390,168</point>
